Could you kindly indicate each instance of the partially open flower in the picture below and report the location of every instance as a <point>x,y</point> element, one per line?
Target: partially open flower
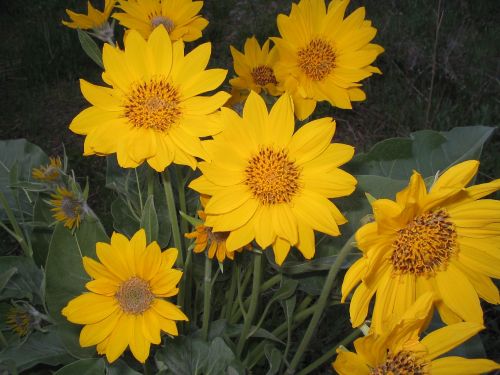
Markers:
<point>50,172</point>
<point>69,207</point>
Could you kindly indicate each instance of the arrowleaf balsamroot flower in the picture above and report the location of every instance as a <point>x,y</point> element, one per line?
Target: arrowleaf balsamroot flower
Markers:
<point>323,56</point>
<point>50,172</point>
<point>153,112</point>
<point>269,184</point>
<point>445,240</point>
<point>255,68</point>
<point>125,305</point>
<point>179,17</point>
<point>69,208</point>
<point>399,350</point>
<point>206,238</point>
<point>95,19</point>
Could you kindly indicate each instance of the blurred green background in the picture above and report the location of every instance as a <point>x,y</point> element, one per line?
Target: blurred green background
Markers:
<point>41,62</point>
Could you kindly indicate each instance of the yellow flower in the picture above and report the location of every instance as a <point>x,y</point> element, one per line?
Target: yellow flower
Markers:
<point>68,207</point>
<point>255,68</point>
<point>216,241</point>
<point>401,351</point>
<point>153,111</point>
<point>270,184</point>
<point>94,20</point>
<point>179,17</point>
<point>323,56</point>
<point>19,320</point>
<point>444,241</point>
<point>48,173</point>
<point>125,305</point>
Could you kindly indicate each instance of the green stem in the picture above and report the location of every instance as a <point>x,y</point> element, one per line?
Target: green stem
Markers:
<point>17,229</point>
<point>276,279</point>
<point>329,354</point>
<point>139,192</point>
<point>258,352</point>
<point>228,306</point>
<point>182,197</point>
<point>321,303</point>
<point>254,300</point>
<point>241,290</point>
<point>150,181</point>
<point>184,288</point>
<point>207,282</point>
<point>172,213</point>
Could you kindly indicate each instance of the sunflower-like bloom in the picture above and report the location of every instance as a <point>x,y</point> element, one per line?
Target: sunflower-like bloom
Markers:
<point>215,241</point>
<point>179,17</point>
<point>400,350</point>
<point>95,19</point>
<point>445,241</point>
<point>270,184</point>
<point>68,208</point>
<point>323,56</point>
<point>125,305</point>
<point>50,172</point>
<point>254,68</point>
<point>153,111</point>
<point>19,320</point>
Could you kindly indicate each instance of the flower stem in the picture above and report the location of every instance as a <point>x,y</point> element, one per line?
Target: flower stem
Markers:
<point>207,282</point>
<point>230,294</point>
<point>172,213</point>
<point>139,191</point>
<point>321,304</point>
<point>254,300</point>
<point>329,354</point>
<point>182,196</point>
<point>18,233</point>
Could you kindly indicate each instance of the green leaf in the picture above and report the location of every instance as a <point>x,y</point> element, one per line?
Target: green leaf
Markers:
<point>17,159</point>
<point>91,366</point>
<point>123,219</point>
<point>184,355</point>
<point>149,220</point>
<point>219,357</point>
<point>66,277</point>
<point>120,368</point>
<point>5,277</point>
<point>90,47</point>
<point>40,347</point>
<point>274,358</point>
<point>426,151</point>
<point>25,283</point>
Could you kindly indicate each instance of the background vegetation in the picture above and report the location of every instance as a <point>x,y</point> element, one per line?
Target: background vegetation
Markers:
<point>441,70</point>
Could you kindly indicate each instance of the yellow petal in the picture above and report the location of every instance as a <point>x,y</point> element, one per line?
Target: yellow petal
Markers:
<point>240,237</point>
<point>306,241</point>
<point>348,363</point>
<point>168,310</point>
<point>281,248</point>
<point>139,345</point>
<point>89,308</point>
<point>119,338</point>
<point>462,366</point>
<point>92,334</point>
<point>445,339</point>
<point>311,140</point>
<point>457,176</point>
<point>228,199</point>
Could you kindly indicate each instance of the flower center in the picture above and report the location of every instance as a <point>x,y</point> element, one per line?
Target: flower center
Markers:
<point>134,296</point>
<point>403,363</point>
<point>272,177</point>
<point>217,236</point>
<point>19,321</point>
<point>162,20</point>
<point>262,75</point>
<point>425,245</point>
<point>72,208</point>
<point>317,60</point>
<point>153,105</point>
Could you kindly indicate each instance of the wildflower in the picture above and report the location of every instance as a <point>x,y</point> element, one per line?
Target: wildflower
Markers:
<point>444,240</point>
<point>274,186</point>
<point>19,320</point>
<point>323,56</point>
<point>153,112</point>
<point>125,305</point>
<point>179,17</point>
<point>400,350</point>
<point>68,208</point>
<point>50,172</point>
<point>95,20</point>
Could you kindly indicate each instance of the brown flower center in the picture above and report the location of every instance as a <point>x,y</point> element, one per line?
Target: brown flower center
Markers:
<point>153,105</point>
<point>272,177</point>
<point>262,75</point>
<point>317,59</point>
<point>162,20</point>
<point>403,363</point>
<point>134,296</point>
<point>71,207</point>
<point>425,245</point>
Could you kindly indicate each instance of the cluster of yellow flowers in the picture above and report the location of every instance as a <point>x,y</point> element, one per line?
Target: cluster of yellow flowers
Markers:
<point>266,181</point>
